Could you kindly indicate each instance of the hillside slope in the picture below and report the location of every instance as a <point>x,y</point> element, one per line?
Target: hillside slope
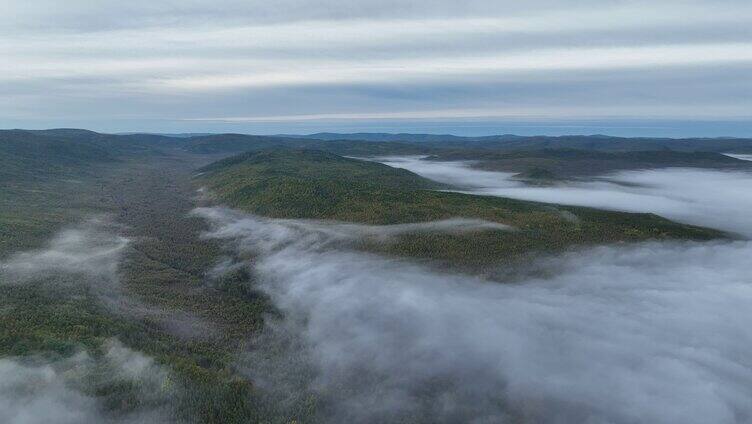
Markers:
<point>564,163</point>
<point>237,143</point>
<point>25,155</point>
<point>319,185</point>
<point>41,154</point>
<point>310,184</point>
<point>580,142</point>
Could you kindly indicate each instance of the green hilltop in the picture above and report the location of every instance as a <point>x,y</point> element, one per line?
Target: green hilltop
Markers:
<point>567,163</point>
<point>318,185</point>
<point>53,178</point>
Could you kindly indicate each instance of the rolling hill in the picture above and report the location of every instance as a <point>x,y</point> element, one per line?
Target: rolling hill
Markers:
<point>194,322</point>
<point>565,163</point>
<point>591,142</point>
<point>41,153</point>
<point>237,143</point>
<point>319,185</point>
<point>28,154</point>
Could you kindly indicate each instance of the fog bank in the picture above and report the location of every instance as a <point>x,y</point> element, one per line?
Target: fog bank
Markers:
<point>716,199</point>
<point>91,249</point>
<point>38,391</point>
<point>654,332</point>
<point>318,233</point>
<point>88,256</point>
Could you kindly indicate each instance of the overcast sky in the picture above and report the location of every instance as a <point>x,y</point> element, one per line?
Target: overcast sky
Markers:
<point>470,66</point>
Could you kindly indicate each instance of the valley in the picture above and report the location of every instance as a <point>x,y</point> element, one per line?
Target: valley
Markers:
<point>138,250</point>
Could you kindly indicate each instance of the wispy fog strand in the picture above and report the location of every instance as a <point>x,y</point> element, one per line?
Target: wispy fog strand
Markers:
<point>62,391</point>
<point>717,199</point>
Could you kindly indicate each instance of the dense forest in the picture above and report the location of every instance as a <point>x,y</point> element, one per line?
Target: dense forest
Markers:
<point>312,184</point>
<point>168,301</point>
<point>553,164</point>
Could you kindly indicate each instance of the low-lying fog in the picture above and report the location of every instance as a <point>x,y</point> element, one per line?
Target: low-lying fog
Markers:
<point>91,250</point>
<point>717,199</point>
<point>37,391</point>
<point>651,332</point>
<point>89,255</point>
<point>739,156</point>
<point>654,332</point>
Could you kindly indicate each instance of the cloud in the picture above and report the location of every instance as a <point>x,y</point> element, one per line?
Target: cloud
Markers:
<point>321,233</point>
<point>89,255</point>
<point>34,390</point>
<point>90,249</point>
<point>717,199</point>
<point>222,61</point>
<point>84,15</point>
<point>653,332</point>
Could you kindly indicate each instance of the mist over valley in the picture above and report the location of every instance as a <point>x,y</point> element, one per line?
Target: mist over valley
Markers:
<point>294,283</point>
<point>375,211</point>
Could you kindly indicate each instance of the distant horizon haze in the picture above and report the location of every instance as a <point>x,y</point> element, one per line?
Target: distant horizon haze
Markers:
<point>674,68</point>
<point>616,128</point>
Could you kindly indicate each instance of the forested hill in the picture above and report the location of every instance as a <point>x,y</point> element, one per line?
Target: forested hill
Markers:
<point>565,163</point>
<point>320,185</point>
<point>316,165</point>
<point>367,144</point>
<point>26,154</point>
<point>290,183</point>
<point>580,142</point>
<point>374,144</point>
<point>237,143</point>
<point>39,154</point>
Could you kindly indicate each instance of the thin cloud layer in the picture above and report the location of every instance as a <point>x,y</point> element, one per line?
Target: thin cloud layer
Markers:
<point>318,233</point>
<point>234,64</point>
<point>90,249</point>
<point>717,199</point>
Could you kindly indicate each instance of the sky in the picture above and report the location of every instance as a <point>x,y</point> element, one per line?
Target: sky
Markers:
<point>474,67</point>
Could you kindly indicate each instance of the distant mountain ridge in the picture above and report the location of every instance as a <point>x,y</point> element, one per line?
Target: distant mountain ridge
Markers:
<point>312,184</point>
<point>448,137</point>
<point>40,152</point>
<point>581,142</point>
<point>567,163</point>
